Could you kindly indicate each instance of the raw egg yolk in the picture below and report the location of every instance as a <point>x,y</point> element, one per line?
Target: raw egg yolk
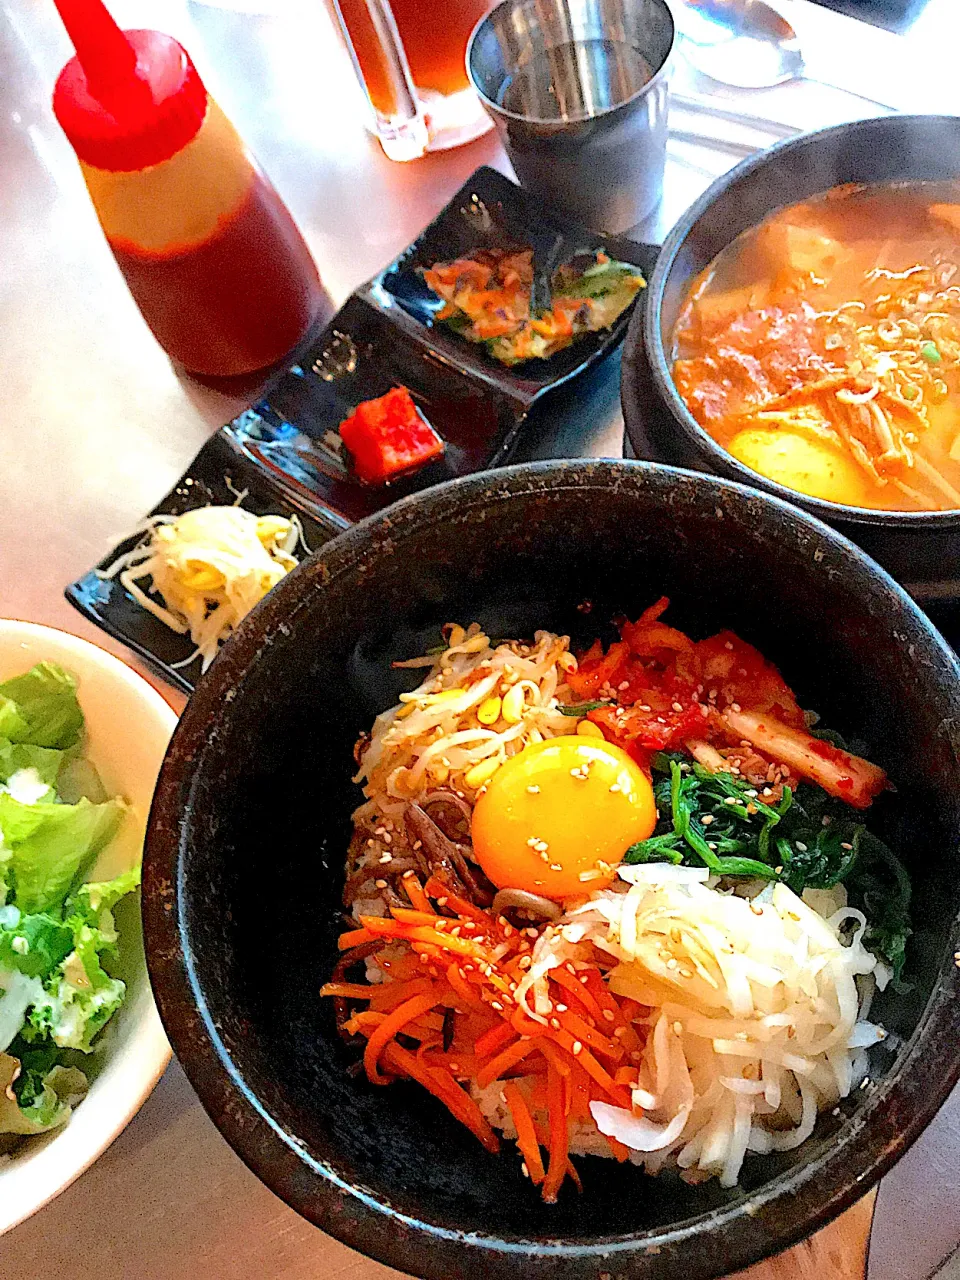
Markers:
<point>557,818</point>
<point>801,463</point>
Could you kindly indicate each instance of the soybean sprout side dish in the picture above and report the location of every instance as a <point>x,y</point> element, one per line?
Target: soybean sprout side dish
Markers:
<point>619,905</point>
<point>207,569</point>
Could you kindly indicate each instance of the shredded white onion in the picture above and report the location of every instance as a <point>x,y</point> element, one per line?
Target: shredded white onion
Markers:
<point>754,1009</point>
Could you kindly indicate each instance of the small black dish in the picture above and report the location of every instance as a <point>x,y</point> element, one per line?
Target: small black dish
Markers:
<point>218,475</point>
<point>243,869</point>
<point>285,449</point>
<point>920,548</point>
<point>489,212</point>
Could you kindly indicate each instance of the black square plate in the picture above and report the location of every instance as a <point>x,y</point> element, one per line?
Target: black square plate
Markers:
<point>285,451</point>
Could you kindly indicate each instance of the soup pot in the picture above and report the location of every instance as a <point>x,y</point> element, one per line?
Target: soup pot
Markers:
<point>921,549</point>
<point>243,870</point>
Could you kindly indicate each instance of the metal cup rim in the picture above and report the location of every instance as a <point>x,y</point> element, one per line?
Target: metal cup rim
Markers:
<point>495,109</point>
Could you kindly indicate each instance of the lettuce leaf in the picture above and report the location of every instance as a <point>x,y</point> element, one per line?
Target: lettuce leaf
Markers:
<point>12,723</point>
<point>33,945</point>
<point>15,756</point>
<point>50,844</point>
<point>79,997</point>
<point>36,1096</point>
<point>90,902</point>
<point>17,994</point>
<point>45,711</point>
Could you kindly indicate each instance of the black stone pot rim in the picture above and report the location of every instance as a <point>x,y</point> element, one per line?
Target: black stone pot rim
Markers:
<point>660,367</point>
<point>776,1216</point>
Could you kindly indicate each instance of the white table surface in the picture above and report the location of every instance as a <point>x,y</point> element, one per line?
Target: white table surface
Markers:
<point>95,428</point>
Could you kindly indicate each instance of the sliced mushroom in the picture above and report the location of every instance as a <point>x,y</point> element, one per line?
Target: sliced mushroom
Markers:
<point>446,858</point>
<point>450,812</point>
<point>530,905</point>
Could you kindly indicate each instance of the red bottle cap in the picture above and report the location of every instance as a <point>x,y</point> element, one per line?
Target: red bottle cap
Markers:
<point>129,99</point>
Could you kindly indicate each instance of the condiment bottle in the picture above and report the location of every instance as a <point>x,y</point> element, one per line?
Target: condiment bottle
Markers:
<point>207,247</point>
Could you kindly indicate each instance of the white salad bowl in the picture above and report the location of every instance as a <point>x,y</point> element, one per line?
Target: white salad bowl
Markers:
<point>128,726</point>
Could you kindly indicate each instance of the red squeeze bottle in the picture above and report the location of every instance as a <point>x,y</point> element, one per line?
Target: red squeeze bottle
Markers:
<point>209,250</point>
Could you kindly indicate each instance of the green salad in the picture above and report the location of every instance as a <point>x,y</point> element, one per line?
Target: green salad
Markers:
<point>57,932</point>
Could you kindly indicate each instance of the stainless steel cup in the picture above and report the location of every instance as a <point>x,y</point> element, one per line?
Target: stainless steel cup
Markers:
<point>578,91</point>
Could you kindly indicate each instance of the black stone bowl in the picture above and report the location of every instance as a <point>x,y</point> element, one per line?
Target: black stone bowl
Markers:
<point>249,828</point>
<point>920,549</point>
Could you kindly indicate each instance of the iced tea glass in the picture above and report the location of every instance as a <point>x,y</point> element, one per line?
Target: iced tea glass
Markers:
<point>410,57</point>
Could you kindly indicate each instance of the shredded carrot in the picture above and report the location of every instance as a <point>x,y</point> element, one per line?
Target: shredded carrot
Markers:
<point>496,1038</point>
<point>354,938</point>
<point>387,995</point>
<point>414,891</point>
<point>436,889</point>
<point>414,916</point>
<point>367,1018</point>
<point>351,990</point>
<point>586,1034</point>
<point>557,1168</point>
<point>495,1068</point>
<point>462,988</point>
<point>387,1029</point>
<point>443,1086</point>
<point>564,978</point>
<point>420,933</point>
<point>526,1133</point>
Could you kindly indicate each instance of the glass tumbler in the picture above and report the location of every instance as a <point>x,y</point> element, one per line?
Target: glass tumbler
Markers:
<point>410,57</point>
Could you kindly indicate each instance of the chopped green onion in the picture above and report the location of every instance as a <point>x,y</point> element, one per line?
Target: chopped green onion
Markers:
<point>931,353</point>
<point>580,708</point>
<point>910,392</point>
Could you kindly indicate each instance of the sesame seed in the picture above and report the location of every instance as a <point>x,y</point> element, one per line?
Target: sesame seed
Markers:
<point>555,866</point>
<point>614,788</point>
<point>624,684</point>
<point>608,1015</point>
<point>686,973</point>
<point>495,1004</point>
<point>533,790</point>
<point>577,1047</point>
<point>555,1023</point>
<point>642,706</point>
<point>678,1028</point>
<point>381,884</point>
<point>672,963</point>
<point>801,846</point>
<point>734,706</point>
<point>386,857</point>
<point>730,800</point>
<point>707,819</point>
<point>523,1169</point>
<point>677,706</point>
<point>619,1033</point>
